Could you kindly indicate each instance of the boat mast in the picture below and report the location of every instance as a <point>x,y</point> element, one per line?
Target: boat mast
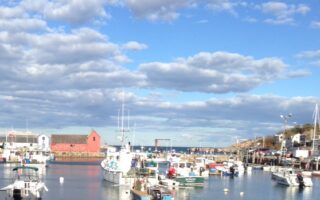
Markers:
<point>122,119</point>
<point>316,119</point>
<point>121,122</point>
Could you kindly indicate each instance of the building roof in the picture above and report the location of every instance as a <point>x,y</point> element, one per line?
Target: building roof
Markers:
<point>19,138</point>
<point>69,139</point>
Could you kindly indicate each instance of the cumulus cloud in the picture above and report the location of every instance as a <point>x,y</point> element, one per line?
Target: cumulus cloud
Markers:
<point>133,45</point>
<point>157,10</point>
<point>75,11</point>
<point>22,24</point>
<point>217,72</point>
<point>222,5</point>
<point>35,55</point>
<point>283,13</point>
<point>11,12</point>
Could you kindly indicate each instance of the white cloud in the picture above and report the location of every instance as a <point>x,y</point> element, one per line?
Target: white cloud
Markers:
<point>81,45</point>
<point>310,54</point>
<point>217,72</point>
<point>222,5</point>
<point>315,24</point>
<point>11,12</point>
<point>21,24</point>
<point>133,45</point>
<point>283,13</point>
<point>75,11</point>
<point>157,10</point>
<point>298,73</point>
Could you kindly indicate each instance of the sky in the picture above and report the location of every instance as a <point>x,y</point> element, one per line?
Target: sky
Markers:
<point>202,73</point>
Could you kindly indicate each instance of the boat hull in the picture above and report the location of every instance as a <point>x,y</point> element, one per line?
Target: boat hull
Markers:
<point>190,180</point>
<point>116,177</point>
<point>291,180</point>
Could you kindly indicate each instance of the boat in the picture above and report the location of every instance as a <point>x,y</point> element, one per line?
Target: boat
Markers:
<point>202,165</point>
<point>316,173</point>
<point>26,185</point>
<point>288,177</point>
<point>118,164</point>
<point>142,190</point>
<point>161,167</point>
<point>190,180</point>
<point>117,167</point>
<point>184,174</point>
<point>120,167</point>
<point>229,168</point>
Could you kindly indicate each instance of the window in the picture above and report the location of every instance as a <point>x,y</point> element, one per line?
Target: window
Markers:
<point>94,138</point>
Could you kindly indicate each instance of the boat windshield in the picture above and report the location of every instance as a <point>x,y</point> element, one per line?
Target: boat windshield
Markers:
<point>26,173</point>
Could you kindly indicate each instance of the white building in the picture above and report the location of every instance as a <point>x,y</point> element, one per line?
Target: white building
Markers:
<point>27,140</point>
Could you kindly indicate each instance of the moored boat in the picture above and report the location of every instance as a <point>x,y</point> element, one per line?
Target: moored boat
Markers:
<point>190,180</point>
<point>26,185</point>
<point>289,177</point>
<point>142,191</point>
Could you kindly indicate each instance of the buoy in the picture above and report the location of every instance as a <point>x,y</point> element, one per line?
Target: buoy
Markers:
<point>226,190</point>
<point>61,179</point>
<point>241,193</point>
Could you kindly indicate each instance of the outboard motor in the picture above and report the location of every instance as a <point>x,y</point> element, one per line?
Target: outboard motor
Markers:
<point>156,194</point>
<point>17,194</point>
<point>300,180</point>
<point>201,170</point>
<point>232,170</point>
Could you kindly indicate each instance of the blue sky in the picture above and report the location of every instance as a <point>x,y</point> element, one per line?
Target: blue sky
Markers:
<point>200,72</point>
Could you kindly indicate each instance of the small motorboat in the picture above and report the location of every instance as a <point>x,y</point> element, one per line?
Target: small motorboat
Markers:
<point>152,193</point>
<point>26,184</point>
<point>289,177</point>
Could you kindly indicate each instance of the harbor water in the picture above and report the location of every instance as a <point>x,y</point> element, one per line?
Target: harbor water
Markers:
<point>85,182</point>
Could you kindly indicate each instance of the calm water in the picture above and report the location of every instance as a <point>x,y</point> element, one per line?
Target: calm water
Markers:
<point>85,182</point>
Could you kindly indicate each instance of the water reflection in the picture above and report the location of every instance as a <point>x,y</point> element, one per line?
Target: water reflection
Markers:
<point>298,193</point>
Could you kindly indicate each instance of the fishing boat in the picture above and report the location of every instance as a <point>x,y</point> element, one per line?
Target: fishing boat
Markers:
<point>142,190</point>
<point>118,165</point>
<point>26,185</point>
<point>185,174</point>
<point>289,177</point>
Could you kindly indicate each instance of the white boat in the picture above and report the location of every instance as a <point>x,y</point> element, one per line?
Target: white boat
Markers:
<point>161,167</point>
<point>288,177</point>
<point>26,185</point>
<point>201,166</point>
<point>186,174</point>
<point>116,167</point>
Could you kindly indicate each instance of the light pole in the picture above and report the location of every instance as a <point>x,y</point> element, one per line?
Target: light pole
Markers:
<point>285,121</point>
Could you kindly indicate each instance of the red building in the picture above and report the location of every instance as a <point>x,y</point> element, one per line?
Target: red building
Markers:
<point>76,143</point>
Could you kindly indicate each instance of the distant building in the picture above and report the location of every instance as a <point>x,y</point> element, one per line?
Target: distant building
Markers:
<point>17,139</point>
<point>279,138</point>
<point>76,143</point>
<point>298,140</point>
